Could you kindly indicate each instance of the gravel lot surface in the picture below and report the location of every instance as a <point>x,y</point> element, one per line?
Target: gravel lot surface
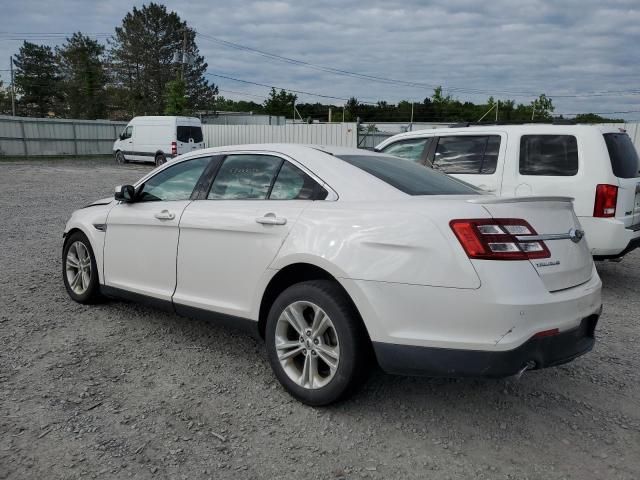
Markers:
<point>120,390</point>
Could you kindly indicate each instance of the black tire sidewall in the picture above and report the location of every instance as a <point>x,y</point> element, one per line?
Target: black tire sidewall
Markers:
<point>160,159</point>
<point>120,158</point>
<point>344,320</point>
<point>93,291</point>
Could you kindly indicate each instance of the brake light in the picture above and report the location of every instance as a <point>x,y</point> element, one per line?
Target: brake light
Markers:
<point>174,148</point>
<point>606,199</point>
<point>498,239</point>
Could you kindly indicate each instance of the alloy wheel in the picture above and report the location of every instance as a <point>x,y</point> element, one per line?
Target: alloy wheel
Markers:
<point>307,345</point>
<point>78,267</point>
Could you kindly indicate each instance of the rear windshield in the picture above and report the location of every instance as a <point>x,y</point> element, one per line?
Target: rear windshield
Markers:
<point>409,177</point>
<point>623,155</point>
<point>186,133</point>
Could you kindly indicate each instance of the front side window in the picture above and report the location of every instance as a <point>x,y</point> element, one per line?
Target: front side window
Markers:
<point>185,134</point>
<point>549,155</point>
<point>245,177</point>
<point>293,184</point>
<point>174,183</point>
<point>470,154</point>
<point>127,132</point>
<point>410,149</point>
<point>409,177</point>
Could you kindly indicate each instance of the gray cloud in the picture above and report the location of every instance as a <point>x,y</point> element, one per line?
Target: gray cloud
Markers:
<point>532,46</point>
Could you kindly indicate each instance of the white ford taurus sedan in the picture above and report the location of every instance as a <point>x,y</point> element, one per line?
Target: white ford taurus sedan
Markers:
<point>339,256</point>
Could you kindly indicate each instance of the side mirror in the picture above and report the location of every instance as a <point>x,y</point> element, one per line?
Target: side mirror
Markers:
<point>121,136</point>
<point>125,193</point>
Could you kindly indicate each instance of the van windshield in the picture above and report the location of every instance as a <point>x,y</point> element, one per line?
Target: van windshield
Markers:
<point>185,133</point>
<point>623,155</point>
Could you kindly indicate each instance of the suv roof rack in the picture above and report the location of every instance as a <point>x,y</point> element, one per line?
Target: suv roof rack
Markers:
<point>555,121</point>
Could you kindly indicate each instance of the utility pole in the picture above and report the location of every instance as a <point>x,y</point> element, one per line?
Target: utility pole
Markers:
<point>13,89</point>
<point>411,123</point>
<point>184,52</point>
<point>329,114</point>
<point>497,108</point>
<point>342,113</point>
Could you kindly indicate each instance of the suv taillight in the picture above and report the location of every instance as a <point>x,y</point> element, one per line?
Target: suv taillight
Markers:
<point>498,239</point>
<point>606,199</point>
<point>174,148</point>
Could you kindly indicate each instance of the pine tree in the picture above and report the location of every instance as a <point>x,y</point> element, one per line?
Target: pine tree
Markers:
<point>143,58</point>
<point>83,77</point>
<point>37,81</point>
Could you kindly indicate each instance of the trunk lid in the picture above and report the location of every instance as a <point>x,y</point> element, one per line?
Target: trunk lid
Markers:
<point>570,263</point>
<point>626,167</point>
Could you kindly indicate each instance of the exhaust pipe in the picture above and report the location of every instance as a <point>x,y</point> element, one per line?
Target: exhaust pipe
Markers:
<point>528,366</point>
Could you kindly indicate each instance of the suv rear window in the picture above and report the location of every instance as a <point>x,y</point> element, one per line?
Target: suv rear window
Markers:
<point>409,177</point>
<point>471,154</point>
<point>550,155</point>
<point>623,155</point>
<point>184,133</point>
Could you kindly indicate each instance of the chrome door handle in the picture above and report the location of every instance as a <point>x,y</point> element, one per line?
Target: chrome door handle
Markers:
<point>271,219</point>
<point>165,215</point>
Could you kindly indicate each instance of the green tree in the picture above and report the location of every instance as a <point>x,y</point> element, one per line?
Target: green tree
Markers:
<point>542,108</point>
<point>5,100</point>
<point>143,53</point>
<point>175,98</point>
<point>83,77</point>
<point>280,103</point>
<point>37,80</point>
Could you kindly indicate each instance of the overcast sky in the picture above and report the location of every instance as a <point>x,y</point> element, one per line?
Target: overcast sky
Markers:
<point>504,48</point>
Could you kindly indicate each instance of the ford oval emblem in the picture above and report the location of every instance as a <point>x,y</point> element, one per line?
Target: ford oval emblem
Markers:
<point>576,235</point>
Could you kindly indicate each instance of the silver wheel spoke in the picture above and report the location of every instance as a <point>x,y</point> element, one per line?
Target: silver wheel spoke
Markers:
<point>328,356</point>
<point>295,319</point>
<point>76,279</point>
<point>294,349</point>
<point>72,261</point>
<point>320,323</point>
<point>85,280</point>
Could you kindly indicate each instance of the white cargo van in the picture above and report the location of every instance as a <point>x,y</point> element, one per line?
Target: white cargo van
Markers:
<point>158,138</point>
<point>596,165</point>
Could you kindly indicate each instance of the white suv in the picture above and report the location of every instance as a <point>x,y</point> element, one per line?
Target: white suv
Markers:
<point>597,166</point>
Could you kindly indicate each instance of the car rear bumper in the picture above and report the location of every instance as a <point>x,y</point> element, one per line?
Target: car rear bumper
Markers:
<point>445,362</point>
<point>609,237</point>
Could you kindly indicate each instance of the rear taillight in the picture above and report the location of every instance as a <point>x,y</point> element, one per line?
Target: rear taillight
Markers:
<point>498,239</point>
<point>174,148</point>
<point>606,199</point>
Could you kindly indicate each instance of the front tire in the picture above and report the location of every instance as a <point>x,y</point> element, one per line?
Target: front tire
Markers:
<point>79,270</point>
<point>120,160</point>
<point>316,343</point>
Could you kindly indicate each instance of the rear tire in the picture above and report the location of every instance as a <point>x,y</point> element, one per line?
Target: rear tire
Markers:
<point>160,159</point>
<point>316,343</point>
<point>79,270</point>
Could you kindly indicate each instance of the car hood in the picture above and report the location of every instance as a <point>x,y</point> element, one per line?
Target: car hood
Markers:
<point>103,201</point>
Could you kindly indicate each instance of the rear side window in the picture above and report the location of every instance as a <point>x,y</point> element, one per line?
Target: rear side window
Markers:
<point>409,177</point>
<point>469,154</point>
<point>623,155</point>
<point>293,184</point>
<point>186,133</point>
<point>549,155</point>
<point>408,149</point>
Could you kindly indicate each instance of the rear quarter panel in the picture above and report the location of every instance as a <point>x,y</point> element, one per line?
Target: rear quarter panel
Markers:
<point>406,242</point>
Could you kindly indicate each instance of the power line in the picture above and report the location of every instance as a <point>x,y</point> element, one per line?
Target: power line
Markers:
<point>397,81</point>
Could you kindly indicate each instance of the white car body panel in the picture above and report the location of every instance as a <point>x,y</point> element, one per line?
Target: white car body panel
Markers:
<point>605,236</point>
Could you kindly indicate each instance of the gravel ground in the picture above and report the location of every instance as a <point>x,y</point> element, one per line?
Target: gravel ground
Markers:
<point>120,390</point>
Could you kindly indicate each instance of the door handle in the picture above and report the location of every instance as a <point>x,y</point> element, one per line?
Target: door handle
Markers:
<point>271,219</point>
<point>165,215</point>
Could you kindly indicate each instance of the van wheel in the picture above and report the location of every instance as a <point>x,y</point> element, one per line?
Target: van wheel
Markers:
<point>160,159</point>
<point>316,344</point>
<point>120,158</point>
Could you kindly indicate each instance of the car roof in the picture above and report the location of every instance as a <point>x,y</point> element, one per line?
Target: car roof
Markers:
<point>522,129</point>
